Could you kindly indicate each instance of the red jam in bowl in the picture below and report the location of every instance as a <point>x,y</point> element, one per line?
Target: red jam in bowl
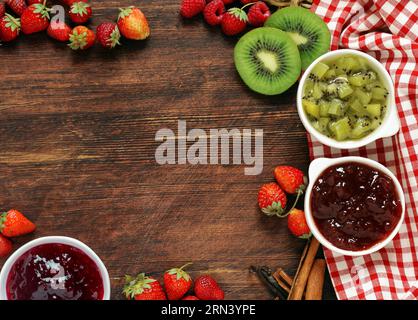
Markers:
<point>54,272</point>
<point>355,206</point>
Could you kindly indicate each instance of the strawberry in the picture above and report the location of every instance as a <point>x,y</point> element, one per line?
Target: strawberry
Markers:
<point>80,12</point>
<point>228,1</point>
<point>143,287</point>
<point>9,28</point>
<point>191,8</point>
<point>213,12</point>
<point>17,6</point>
<point>177,282</point>
<point>59,31</point>
<point>81,38</point>
<point>290,179</point>
<point>14,224</point>
<point>35,19</point>
<point>206,288</point>
<point>234,21</point>
<point>133,24</point>
<point>296,222</point>
<point>248,1</point>
<point>190,298</point>
<point>272,200</point>
<point>30,2</point>
<point>2,9</point>
<point>5,246</point>
<point>108,35</point>
<point>258,14</point>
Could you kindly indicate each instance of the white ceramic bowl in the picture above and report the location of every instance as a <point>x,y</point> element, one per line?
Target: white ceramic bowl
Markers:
<point>316,168</point>
<point>55,239</point>
<point>390,123</point>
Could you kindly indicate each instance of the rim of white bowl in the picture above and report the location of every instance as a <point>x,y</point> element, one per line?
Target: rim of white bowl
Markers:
<point>390,123</point>
<point>4,273</point>
<point>316,168</point>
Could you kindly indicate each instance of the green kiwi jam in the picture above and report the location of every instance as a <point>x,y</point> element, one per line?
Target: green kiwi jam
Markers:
<point>344,98</point>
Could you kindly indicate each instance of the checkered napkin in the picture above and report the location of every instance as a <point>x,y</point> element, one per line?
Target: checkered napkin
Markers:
<point>387,30</point>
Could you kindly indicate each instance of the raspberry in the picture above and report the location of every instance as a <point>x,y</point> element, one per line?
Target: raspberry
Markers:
<point>191,8</point>
<point>213,12</point>
<point>258,14</point>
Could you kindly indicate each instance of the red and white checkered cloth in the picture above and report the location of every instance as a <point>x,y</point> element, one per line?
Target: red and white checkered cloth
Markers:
<point>387,30</point>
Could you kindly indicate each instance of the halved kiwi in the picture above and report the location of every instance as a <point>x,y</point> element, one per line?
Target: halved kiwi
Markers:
<point>267,60</point>
<point>306,29</point>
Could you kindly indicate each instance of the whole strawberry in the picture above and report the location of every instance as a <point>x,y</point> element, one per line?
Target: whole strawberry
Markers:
<point>133,24</point>
<point>206,288</point>
<point>17,6</point>
<point>9,28</point>
<point>296,222</point>
<point>272,200</point>
<point>258,14</point>
<point>35,19</point>
<point>234,21</point>
<point>2,9</point>
<point>80,12</point>
<point>248,1</point>
<point>290,179</point>
<point>81,38</point>
<point>177,282</point>
<point>59,31</point>
<point>5,246</point>
<point>191,8</point>
<point>214,12</point>
<point>108,35</point>
<point>190,298</point>
<point>143,287</point>
<point>14,224</point>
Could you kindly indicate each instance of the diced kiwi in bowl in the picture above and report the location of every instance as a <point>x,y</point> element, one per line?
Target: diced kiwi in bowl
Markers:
<point>346,100</point>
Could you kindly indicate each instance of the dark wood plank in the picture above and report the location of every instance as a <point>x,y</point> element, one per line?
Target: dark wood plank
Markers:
<point>77,151</point>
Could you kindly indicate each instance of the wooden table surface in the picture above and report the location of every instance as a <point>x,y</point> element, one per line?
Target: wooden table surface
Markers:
<point>77,134</point>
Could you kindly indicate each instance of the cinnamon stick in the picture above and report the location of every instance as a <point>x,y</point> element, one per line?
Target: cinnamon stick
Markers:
<point>305,266</point>
<point>283,279</point>
<point>315,283</point>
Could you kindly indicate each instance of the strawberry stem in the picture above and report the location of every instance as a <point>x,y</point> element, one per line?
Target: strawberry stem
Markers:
<point>300,192</point>
<point>247,5</point>
<point>186,265</point>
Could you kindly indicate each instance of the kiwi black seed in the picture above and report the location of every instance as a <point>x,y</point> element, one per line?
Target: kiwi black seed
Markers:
<point>267,60</point>
<point>308,30</point>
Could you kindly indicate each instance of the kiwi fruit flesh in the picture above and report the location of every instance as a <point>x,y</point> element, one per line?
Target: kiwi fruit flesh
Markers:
<point>307,30</point>
<point>267,60</point>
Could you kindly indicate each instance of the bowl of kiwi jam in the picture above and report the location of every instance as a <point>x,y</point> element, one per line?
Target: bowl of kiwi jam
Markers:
<point>346,100</point>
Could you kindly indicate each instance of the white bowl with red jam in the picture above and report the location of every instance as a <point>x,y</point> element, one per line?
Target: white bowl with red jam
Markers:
<point>346,100</point>
<point>353,205</point>
<point>54,268</point>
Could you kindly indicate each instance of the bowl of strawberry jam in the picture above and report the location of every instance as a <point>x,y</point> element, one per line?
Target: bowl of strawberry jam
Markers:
<point>54,268</point>
<point>353,205</point>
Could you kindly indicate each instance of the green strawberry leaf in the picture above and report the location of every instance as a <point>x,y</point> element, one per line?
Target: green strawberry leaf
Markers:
<point>136,286</point>
<point>180,273</point>
<point>239,13</point>
<point>42,10</point>
<point>12,23</point>
<point>125,12</point>
<point>80,8</point>
<point>114,38</point>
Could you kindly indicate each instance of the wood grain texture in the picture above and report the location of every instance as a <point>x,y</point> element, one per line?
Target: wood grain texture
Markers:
<point>77,151</point>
